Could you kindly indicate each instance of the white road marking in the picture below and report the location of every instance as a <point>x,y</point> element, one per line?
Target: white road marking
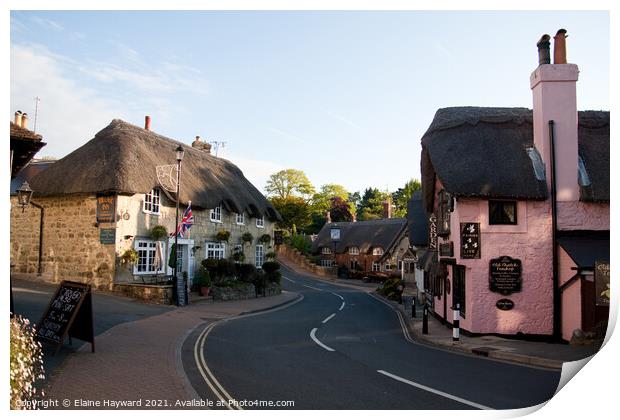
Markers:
<point>341,306</point>
<point>400,318</point>
<point>434,391</point>
<point>313,288</point>
<point>336,294</point>
<point>291,280</point>
<point>316,340</point>
<point>328,318</point>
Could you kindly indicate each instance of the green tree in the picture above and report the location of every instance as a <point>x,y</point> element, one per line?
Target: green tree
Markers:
<point>321,201</point>
<point>295,211</point>
<point>371,204</point>
<point>340,210</point>
<point>288,183</point>
<point>402,196</point>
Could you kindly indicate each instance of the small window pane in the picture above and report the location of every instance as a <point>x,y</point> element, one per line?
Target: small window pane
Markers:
<point>502,212</point>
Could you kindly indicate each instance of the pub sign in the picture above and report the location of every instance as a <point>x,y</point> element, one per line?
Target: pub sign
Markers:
<point>106,208</point>
<point>446,249</point>
<point>601,282</point>
<point>505,275</point>
<point>432,232</point>
<point>470,240</point>
<point>107,236</point>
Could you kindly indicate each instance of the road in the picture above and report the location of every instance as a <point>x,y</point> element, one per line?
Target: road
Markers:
<point>341,348</point>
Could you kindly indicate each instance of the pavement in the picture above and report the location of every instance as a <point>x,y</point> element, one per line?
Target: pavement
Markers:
<point>140,360</point>
<point>531,353</point>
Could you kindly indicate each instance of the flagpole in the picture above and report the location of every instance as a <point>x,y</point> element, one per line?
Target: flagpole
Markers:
<point>175,280</point>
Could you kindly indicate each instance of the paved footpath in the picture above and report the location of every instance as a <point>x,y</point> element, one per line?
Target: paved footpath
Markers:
<point>141,359</point>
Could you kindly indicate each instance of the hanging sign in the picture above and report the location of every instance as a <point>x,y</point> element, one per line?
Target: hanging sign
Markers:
<point>432,232</point>
<point>601,282</point>
<point>69,313</point>
<point>505,275</point>
<point>106,209</point>
<point>446,249</point>
<point>470,240</point>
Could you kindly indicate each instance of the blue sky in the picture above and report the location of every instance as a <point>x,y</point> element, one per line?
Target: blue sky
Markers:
<point>343,96</point>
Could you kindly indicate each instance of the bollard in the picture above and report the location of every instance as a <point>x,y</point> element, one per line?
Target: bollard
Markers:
<point>413,308</point>
<point>455,323</point>
<point>425,320</point>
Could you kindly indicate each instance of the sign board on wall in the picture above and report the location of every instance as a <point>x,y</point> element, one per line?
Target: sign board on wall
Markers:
<point>601,282</point>
<point>470,240</point>
<point>106,209</point>
<point>432,232</point>
<point>446,249</point>
<point>505,304</point>
<point>505,275</point>
<point>107,236</point>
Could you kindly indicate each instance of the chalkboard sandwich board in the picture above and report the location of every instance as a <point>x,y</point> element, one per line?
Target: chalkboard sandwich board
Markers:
<point>69,313</point>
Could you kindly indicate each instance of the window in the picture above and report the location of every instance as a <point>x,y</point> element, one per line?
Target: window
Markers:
<point>240,218</point>
<point>260,256</point>
<point>216,214</point>
<point>376,266</point>
<point>146,257</point>
<point>502,212</point>
<point>444,209</point>
<point>215,250</point>
<point>325,250</point>
<point>151,201</point>
<point>388,266</point>
<point>377,251</point>
<point>326,263</point>
<point>353,264</point>
<point>458,289</point>
<point>260,222</point>
<point>354,250</point>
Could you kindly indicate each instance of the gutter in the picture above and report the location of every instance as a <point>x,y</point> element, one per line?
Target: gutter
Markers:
<point>557,296</point>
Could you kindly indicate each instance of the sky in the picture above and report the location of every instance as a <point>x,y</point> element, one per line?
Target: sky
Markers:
<point>343,96</point>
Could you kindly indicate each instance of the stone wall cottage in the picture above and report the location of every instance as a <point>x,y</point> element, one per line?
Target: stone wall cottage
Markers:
<point>117,169</point>
<point>368,246</point>
<point>488,178</point>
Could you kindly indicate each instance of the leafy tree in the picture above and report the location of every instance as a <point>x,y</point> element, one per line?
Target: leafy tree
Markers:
<point>340,210</point>
<point>371,204</point>
<point>402,196</point>
<point>355,199</point>
<point>321,201</point>
<point>295,211</point>
<point>288,183</point>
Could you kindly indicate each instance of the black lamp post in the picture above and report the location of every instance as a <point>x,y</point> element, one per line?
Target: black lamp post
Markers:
<point>334,233</point>
<point>179,152</point>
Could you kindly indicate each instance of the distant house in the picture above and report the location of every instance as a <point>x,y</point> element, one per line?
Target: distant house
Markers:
<point>104,198</point>
<point>364,247</point>
<point>417,224</point>
<point>500,201</point>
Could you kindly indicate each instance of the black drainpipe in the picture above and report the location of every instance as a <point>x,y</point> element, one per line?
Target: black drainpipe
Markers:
<point>40,263</point>
<point>557,297</point>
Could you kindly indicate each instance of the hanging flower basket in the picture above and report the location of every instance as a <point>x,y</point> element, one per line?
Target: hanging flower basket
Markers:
<point>247,237</point>
<point>265,238</point>
<point>129,257</point>
<point>159,232</point>
<point>223,235</point>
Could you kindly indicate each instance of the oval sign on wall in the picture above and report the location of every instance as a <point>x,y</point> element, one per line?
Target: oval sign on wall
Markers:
<point>505,304</point>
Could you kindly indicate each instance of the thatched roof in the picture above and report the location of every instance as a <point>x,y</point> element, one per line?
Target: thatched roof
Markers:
<point>482,152</point>
<point>122,158</point>
<point>417,221</point>
<point>365,235</point>
<point>24,145</point>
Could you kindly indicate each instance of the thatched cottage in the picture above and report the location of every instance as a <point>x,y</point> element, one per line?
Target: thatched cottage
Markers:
<point>519,208</point>
<point>105,197</point>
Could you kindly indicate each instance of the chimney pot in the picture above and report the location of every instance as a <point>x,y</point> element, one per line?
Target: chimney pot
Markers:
<point>24,121</point>
<point>328,216</point>
<point>387,209</point>
<point>147,123</point>
<point>18,118</point>
<point>559,47</point>
<point>544,55</point>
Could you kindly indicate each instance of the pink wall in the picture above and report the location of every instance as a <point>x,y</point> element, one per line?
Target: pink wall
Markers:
<point>529,241</point>
<point>577,215</point>
<point>571,297</point>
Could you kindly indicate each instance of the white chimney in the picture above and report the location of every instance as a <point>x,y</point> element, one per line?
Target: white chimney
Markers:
<point>554,89</point>
<point>25,120</point>
<point>18,118</point>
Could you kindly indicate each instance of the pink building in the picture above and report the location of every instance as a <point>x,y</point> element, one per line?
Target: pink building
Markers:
<point>520,230</point>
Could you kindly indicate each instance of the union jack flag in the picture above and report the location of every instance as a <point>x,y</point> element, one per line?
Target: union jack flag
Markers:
<point>186,222</point>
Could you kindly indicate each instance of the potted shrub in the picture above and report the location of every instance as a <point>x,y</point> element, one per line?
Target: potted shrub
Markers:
<point>247,238</point>
<point>238,256</point>
<point>271,256</point>
<point>158,233</point>
<point>265,238</point>
<point>223,235</point>
<point>202,280</point>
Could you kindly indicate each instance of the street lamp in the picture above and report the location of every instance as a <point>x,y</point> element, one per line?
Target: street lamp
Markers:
<point>334,233</point>
<point>24,194</point>
<point>180,152</point>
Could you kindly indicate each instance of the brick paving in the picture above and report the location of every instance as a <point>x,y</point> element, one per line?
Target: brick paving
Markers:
<point>141,359</point>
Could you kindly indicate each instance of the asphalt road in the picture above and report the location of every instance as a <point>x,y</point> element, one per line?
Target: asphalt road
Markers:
<point>340,348</point>
<point>31,300</point>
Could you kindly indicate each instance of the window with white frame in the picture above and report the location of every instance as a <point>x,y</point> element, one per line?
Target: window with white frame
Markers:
<point>216,214</point>
<point>326,263</point>
<point>152,201</point>
<point>377,251</point>
<point>215,250</point>
<point>376,266</point>
<point>240,218</point>
<point>388,266</point>
<point>354,250</point>
<point>260,256</point>
<point>146,257</point>
<point>326,250</point>
<point>260,222</point>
